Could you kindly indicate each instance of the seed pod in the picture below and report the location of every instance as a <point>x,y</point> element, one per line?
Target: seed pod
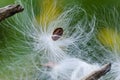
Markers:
<point>58,32</point>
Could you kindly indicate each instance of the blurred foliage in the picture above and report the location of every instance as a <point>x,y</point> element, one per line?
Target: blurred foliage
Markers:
<point>110,38</point>
<point>6,2</point>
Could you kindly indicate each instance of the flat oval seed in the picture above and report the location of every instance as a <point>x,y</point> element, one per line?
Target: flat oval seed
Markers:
<point>58,32</point>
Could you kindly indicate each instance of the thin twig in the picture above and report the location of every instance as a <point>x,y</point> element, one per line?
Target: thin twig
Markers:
<point>9,10</point>
<point>99,73</point>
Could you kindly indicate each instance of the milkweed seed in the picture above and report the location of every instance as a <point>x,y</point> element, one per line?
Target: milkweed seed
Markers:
<point>57,33</point>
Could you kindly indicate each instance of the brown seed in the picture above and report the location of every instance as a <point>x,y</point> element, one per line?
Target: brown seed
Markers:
<point>58,32</point>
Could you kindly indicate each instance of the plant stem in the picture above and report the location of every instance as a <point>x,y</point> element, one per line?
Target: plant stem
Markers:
<point>9,10</point>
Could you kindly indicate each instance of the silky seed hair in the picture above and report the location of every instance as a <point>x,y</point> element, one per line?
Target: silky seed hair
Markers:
<point>40,48</point>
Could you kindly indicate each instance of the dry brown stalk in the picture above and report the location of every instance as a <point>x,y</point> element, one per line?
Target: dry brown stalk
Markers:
<point>98,73</point>
<point>9,10</point>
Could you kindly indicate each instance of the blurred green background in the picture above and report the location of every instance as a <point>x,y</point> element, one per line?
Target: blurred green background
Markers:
<point>89,5</point>
<point>85,3</point>
<point>6,2</point>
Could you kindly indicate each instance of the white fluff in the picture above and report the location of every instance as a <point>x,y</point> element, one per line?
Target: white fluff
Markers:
<point>72,69</point>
